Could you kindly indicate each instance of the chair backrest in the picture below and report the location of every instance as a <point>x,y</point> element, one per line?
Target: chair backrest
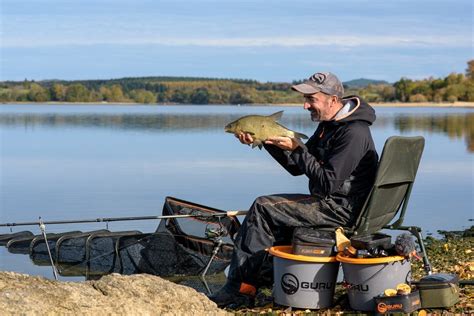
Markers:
<point>392,187</point>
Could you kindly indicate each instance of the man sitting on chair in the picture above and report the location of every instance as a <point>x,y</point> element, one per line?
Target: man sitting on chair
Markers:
<point>340,161</point>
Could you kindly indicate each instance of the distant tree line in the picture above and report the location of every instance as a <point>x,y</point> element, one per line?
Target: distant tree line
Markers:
<point>454,87</point>
<point>183,90</point>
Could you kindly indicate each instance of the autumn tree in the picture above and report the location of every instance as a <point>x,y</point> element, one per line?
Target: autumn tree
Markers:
<point>116,94</point>
<point>58,92</point>
<point>239,98</point>
<point>179,96</point>
<point>403,89</point>
<point>470,69</point>
<point>142,96</point>
<point>200,96</point>
<point>105,93</point>
<point>5,95</point>
<point>77,93</point>
<point>37,93</point>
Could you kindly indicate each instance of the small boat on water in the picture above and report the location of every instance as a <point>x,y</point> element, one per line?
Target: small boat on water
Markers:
<point>190,240</point>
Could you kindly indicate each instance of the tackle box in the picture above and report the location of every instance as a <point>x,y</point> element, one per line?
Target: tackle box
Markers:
<point>373,241</point>
<point>312,242</point>
<point>398,304</point>
<point>439,290</point>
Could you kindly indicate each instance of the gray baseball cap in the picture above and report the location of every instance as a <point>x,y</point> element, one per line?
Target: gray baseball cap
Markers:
<point>325,82</point>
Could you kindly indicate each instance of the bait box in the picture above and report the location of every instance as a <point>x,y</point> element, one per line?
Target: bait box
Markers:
<point>398,303</point>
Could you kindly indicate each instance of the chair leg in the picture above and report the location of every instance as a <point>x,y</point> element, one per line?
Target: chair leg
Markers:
<point>417,232</point>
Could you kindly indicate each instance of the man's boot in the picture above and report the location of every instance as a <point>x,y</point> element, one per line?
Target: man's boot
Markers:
<point>234,295</point>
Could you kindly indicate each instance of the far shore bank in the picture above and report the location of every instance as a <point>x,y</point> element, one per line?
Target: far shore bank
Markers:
<point>404,104</point>
<point>374,104</point>
<point>425,104</point>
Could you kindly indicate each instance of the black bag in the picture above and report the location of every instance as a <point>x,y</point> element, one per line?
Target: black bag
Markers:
<point>312,242</point>
<point>369,242</point>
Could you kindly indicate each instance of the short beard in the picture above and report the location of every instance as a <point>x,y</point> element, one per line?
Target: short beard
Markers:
<point>318,117</point>
<point>315,116</point>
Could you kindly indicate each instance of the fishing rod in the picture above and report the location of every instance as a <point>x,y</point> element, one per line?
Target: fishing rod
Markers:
<point>133,218</point>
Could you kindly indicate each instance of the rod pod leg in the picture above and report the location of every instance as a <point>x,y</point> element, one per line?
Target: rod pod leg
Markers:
<point>217,246</point>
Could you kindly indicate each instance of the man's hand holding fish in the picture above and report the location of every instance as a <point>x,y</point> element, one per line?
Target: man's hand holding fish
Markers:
<point>245,138</point>
<point>285,143</point>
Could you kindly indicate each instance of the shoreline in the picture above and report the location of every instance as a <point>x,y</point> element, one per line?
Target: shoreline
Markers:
<point>450,254</point>
<point>373,104</point>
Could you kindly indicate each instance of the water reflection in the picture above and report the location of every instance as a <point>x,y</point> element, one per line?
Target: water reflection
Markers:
<point>456,125</point>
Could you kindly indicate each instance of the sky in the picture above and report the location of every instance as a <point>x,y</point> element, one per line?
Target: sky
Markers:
<point>264,40</point>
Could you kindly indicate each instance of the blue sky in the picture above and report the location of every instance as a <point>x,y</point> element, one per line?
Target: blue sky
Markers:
<point>260,39</point>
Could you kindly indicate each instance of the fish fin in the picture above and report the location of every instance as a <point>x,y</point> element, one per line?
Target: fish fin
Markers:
<point>257,143</point>
<point>300,135</point>
<point>276,116</point>
<point>248,133</point>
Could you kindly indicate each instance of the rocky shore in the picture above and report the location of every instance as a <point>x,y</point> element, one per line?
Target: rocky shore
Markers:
<point>111,295</point>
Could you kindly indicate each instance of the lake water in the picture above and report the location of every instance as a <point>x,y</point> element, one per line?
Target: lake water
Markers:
<point>76,162</point>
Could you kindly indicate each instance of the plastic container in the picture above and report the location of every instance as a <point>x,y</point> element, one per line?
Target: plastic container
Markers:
<point>439,290</point>
<point>303,281</point>
<point>369,277</point>
<point>398,303</point>
<point>311,242</point>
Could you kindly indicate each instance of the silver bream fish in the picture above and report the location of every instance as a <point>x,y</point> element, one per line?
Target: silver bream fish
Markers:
<point>261,128</point>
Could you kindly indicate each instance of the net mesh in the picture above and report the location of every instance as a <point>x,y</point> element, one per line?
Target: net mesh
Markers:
<point>179,246</point>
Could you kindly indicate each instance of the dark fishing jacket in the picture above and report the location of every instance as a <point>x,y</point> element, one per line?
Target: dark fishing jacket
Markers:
<point>340,159</point>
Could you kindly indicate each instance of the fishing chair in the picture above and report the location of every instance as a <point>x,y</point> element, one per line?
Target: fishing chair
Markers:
<point>391,191</point>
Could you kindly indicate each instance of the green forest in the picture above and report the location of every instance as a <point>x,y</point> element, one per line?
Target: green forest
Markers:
<point>184,90</point>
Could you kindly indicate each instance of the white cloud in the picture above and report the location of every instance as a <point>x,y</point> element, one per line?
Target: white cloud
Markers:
<point>279,41</point>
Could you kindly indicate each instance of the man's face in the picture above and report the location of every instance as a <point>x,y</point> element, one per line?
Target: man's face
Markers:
<point>319,105</point>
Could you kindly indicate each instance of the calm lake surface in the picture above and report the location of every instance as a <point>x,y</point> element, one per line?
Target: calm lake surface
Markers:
<point>76,162</point>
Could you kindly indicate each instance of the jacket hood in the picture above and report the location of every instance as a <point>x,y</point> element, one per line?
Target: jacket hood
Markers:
<point>355,109</point>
